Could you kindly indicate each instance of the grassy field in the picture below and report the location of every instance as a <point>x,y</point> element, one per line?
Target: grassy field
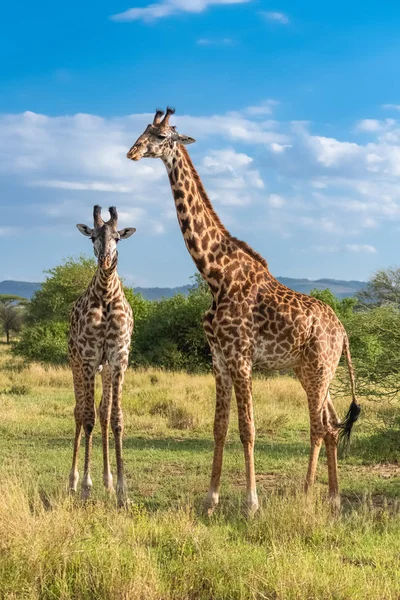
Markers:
<point>162,547</point>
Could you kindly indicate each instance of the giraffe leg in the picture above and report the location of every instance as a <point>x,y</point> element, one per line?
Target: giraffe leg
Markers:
<point>331,440</point>
<point>243,390</point>
<point>117,426</point>
<point>317,405</point>
<point>79,400</point>
<point>74,473</point>
<point>223,383</point>
<point>323,419</point>
<point>316,443</point>
<point>331,455</point>
<point>105,411</point>
<point>88,420</point>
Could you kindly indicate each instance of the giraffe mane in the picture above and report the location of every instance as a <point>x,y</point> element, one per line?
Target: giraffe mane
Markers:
<point>239,243</point>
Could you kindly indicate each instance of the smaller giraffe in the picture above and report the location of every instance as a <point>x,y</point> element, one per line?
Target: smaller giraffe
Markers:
<point>99,339</point>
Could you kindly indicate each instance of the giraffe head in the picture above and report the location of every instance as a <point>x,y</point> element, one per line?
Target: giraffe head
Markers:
<point>105,236</point>
<point>158,139</point>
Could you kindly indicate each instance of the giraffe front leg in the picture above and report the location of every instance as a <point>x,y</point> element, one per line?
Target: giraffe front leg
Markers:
<point>223,384</point>
<point>74,474</point>
<point>105,412</point>
<point>79,400</point>
<point>244,397</point>
<point>117,426</point>
<point>88,421</point>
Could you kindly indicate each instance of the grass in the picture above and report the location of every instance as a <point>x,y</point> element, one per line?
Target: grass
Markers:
<point>162,547</point>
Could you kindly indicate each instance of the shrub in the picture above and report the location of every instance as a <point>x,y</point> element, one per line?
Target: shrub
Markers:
<point>44,342</point>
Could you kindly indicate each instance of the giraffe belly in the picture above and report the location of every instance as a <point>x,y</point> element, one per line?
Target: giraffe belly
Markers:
<point>271,355</point>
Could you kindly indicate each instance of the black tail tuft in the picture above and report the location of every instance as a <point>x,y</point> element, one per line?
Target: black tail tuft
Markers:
<point>347,425</point>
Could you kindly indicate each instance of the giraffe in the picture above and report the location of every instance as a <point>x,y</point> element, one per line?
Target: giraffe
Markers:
<point>99,339</point>
<point>253,320</point>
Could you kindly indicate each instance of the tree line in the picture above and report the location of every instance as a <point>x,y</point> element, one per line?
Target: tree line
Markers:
<point>169,334</point>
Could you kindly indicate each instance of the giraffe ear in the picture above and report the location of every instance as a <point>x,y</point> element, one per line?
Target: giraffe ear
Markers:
<point>127,232</point>
<point>85,230</point>
<point>182,139</point>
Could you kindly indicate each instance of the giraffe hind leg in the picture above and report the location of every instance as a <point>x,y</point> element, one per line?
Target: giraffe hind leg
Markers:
<point>88,421</point>
<point>117,426</point>
<point>105,412</point>
<point>323,422</point>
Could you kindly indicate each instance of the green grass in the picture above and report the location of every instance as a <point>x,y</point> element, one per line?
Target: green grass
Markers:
<point>162,547</point>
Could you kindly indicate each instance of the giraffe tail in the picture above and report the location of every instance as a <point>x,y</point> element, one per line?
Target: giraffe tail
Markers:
<point>355,409</point>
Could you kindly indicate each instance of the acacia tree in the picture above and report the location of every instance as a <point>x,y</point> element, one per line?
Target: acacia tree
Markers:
<point>383,288</point>
<point>12,312</point>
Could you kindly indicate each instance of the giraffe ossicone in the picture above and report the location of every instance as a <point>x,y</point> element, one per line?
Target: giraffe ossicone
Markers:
<point>253,319</point>
<point>100,333</point>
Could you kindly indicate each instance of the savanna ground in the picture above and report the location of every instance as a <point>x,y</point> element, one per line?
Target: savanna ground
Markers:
<point>162,547</point>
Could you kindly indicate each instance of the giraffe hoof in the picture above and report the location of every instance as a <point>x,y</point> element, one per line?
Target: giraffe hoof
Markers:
<point>209,509</point>
<point>123,502</point>
<point>250,509</point>
<point>211,503</point>
<point>335,505</point>
<point>85,494</point>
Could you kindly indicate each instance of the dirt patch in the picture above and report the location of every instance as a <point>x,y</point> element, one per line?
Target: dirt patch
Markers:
<point>383,470</point>
<point>265,481</point>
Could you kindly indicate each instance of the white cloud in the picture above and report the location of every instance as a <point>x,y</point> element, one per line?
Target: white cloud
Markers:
<point>375,125</point>
<point>276,17</point>
<point>166,8</point>
<point>232,180</point>
<point>331,152</point>
<point>369,125</point>
<point>220,161</point>
<point>264,108</point>
<point>215,42</point>
<point>276,201</point>
<point>361,248</point>
<point>94,186</point>
<point>391,106</point>
<point>279,148</point>
<point>328,187</point>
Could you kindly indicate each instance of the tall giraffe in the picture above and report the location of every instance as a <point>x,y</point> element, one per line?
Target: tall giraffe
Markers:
<point>254,319</point>
<point>100,335</point>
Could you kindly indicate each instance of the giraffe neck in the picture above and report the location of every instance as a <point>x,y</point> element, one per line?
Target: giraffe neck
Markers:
<point>215,252</point>
<point>205,237</point>
<point>106,283</point>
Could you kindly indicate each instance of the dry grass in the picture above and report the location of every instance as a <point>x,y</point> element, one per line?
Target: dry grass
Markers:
<point>163,548</point>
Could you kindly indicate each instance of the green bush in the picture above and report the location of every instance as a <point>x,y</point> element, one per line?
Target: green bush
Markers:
<point>44,342</point>
<point>171,336</point>
<point>167,334</point>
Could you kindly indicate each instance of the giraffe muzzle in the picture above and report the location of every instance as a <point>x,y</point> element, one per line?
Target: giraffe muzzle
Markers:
<point>133,154</point>
<point>105,261</point>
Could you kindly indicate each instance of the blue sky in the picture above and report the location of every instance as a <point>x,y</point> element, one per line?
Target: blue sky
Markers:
<point>295,108</point>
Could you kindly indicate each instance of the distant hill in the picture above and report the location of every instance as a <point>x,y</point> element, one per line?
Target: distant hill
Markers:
<point>157,293</point>
<point>26,289</point>
<point>341,289</point>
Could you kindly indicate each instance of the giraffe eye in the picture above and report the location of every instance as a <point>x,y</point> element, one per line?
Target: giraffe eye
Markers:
<point>161,137</point>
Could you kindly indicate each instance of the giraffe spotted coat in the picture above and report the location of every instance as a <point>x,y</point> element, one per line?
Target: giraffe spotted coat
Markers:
<point>254,319</point>
<point>101,326</point>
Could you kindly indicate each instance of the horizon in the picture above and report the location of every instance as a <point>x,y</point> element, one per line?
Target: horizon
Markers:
<point>297,129</point>
<point>188,283</point>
